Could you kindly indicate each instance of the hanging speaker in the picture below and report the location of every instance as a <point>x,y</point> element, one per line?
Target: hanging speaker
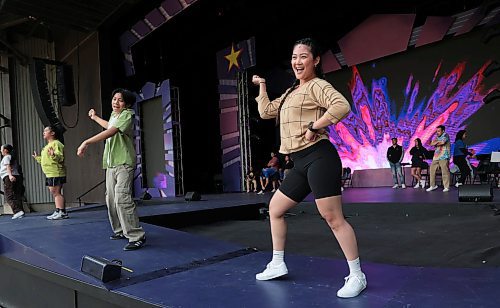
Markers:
<point>41,96</point>
<point>65,86</point>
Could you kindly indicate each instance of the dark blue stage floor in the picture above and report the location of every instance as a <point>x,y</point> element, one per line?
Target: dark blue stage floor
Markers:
<point>177,269</point>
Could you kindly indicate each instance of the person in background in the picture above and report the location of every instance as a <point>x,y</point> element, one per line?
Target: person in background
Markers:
<point>12,181</point>
<point>395,156</point>
<point>303,112</point>
<point>460,154</point>
<point>418,154</point>
<point>441,159</point>
<point>251,180</point>
<point>52,160</point>
<point>268,172</point>
<point>287,166</point>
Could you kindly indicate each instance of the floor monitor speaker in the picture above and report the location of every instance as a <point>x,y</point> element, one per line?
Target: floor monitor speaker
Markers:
<point>475,193</point>
<point>192,196</point>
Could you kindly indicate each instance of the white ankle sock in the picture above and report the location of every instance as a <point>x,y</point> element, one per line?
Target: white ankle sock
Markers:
<point>354,267</point>
<point>278,256</point>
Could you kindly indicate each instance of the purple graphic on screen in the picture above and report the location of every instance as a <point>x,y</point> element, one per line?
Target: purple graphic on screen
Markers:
<point>363,137</point>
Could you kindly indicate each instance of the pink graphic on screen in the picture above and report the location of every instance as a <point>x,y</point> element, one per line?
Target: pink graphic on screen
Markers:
<point>363,137</point>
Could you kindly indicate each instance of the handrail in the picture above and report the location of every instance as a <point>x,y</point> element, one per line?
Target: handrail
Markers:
<point>95,186</point>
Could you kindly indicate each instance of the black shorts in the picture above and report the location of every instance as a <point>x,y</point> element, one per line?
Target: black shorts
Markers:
<point>57,181</point>
<point>318,169</point>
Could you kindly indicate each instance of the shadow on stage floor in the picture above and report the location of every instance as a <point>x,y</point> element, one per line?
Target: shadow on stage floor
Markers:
<point>206,253</point>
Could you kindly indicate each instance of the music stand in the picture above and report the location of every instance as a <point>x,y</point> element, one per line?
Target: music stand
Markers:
<point>495,157</point>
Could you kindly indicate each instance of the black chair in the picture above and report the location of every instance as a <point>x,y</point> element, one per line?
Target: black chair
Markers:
<point>346,177</point>
<point>484,169</point>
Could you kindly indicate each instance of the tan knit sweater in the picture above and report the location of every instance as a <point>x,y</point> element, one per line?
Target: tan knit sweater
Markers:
<point>305,104</point>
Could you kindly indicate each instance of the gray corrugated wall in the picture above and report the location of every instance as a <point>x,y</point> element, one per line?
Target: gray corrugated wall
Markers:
<point>5,132</point>
<point>29,126</point>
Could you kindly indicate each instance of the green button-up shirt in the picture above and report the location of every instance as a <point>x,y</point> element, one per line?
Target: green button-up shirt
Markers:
<point>119,149</point>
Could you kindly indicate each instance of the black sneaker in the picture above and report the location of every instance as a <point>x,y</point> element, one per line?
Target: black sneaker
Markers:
<point>117,236</point>
<point>135,245</point>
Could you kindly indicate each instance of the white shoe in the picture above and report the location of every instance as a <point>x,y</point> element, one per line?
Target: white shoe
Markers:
<point>395,186</point>
<point>403,186</point>
<point>446,190</point>
<point>51,215</point>
<point>17,215</point>
<point>272,271</point>
<point>458,184</point>
<point>58,215</point>
<point>354,284</point>
<point>417,186</point>
<point>432,188</point>
<point>341,188</point>
<point>422,183</point>
<point>273,190</point>
<point>260,192</point>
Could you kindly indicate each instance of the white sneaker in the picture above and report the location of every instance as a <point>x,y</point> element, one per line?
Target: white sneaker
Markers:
<point>417,186</point>
<point>51,215</point>
<point>354,284</point>
<point>422,183</point>
<point>432,188</point>
<point>17,215</point>
<point>403,186</point>
<point>341,188</point>
<point>446,189</point>
<point>458,184</point>
<point>272,271</point>
<point>395,186</point>
<point>273,190</point>
<point>58,215</point>
<point>260,192</point>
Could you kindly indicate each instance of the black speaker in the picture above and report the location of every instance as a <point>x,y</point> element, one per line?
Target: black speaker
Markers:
<point>101,268</point>
<point>65,87</point>
<point>41,96</point>
<point>475,193</point>
<point>192,196</point>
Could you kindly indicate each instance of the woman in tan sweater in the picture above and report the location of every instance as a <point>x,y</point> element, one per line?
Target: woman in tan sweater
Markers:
<point>303,112</point>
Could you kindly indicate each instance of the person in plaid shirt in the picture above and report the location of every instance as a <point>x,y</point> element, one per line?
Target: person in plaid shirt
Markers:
<point>303,113</point>
<point>441,159</point>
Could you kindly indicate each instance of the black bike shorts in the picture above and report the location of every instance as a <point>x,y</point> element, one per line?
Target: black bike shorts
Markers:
<point>318,169</point>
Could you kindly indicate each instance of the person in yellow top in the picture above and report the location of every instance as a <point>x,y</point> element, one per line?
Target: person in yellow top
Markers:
<point>52,160</point>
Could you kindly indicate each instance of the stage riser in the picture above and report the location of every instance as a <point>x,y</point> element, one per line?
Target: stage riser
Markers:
<point>22,285</point>
<point>180,220</point>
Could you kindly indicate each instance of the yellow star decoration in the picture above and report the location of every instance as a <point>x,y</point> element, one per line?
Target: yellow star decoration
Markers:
<point>233,58</point>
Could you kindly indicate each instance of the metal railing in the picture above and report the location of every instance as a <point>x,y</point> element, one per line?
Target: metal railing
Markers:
<point>85,193</point>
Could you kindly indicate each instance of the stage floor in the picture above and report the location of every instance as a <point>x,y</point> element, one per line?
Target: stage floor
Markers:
<point>184,269</point>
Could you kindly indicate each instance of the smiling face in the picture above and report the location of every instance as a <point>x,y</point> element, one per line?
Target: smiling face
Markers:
<point>303,63</point>
<point>439,131</point>
<point>117,103</point>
